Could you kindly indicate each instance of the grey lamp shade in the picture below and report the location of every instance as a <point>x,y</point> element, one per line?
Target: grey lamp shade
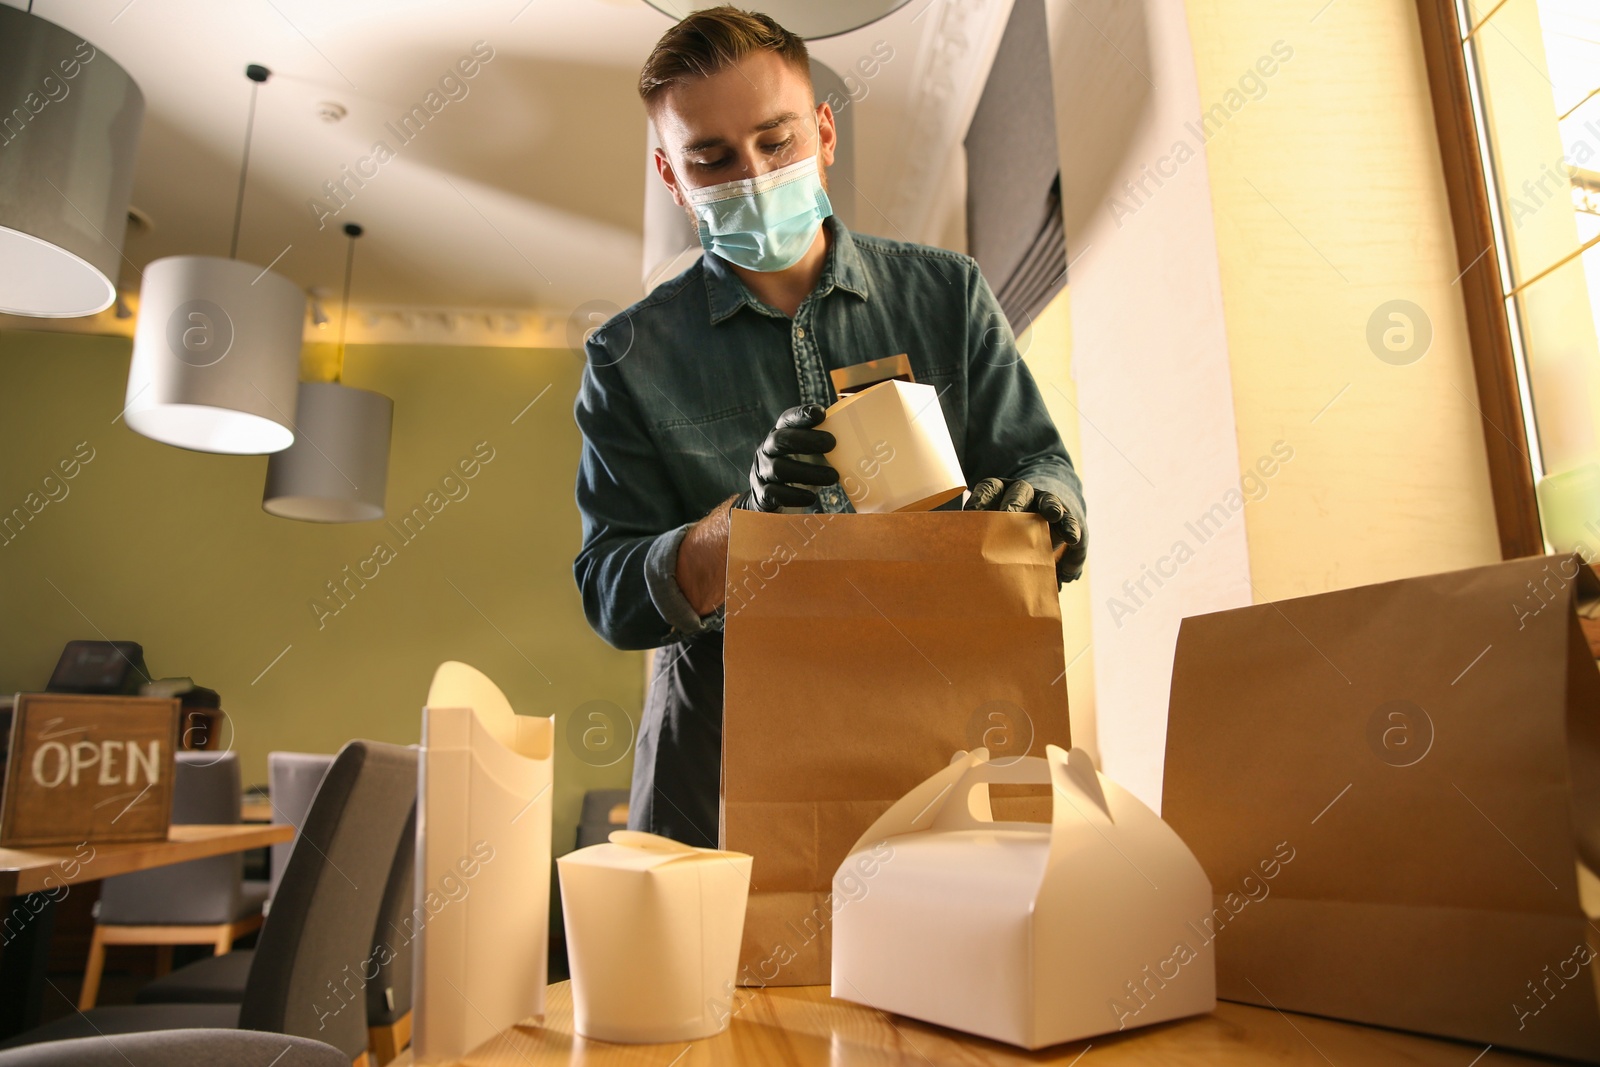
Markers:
<point>68,138</point>
<point>338,466</point>
<point>216,356</point>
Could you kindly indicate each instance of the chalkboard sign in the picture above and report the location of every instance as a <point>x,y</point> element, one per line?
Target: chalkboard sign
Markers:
<point>88,768</point>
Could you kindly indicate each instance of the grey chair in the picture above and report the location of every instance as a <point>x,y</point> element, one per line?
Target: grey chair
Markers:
<point>604,810</point>
<point>202,902</point>
<point>179,1048</point>
<point>293,778</point>
<point>221,979</point>
<point>389,994</point>
<point>319,932</point>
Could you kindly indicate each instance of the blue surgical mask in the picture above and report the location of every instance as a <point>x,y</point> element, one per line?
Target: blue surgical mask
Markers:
<point>764,223</point>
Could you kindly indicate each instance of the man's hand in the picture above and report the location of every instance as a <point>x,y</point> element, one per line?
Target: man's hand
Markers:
<point>776,476</point>
<point>703,555</point>
<point>1069,540</point>
<point>703,560</point>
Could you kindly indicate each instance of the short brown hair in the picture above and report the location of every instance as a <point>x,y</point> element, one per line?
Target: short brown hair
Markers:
<point>707,42</point>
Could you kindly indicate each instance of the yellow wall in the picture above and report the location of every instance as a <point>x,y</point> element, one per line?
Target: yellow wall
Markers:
<point>1222,287</point>
<point>171,549</point>
<point>1329,202</point>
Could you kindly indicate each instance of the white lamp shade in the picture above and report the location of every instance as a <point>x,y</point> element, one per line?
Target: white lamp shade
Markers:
<point>811,19</point>
<point>216,356</point>
<point>67,147</point>
<point>338,466</point>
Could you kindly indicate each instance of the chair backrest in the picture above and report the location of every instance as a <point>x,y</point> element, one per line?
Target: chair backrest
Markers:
<point>389,994</point>
<point>292,781</point>
<point>314,954</point>
<point>594,820</point>
<point>482,899</point>
<point>178,1048</point>
<point>205,789</point>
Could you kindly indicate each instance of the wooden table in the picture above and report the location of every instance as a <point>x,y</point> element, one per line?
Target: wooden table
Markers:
<point>799,1025</point>
<point>255,811</point>
<point>33,879</point>
<point>34,869</point>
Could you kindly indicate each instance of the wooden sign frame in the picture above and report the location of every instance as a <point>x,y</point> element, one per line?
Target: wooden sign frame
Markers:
<point>76,764</point>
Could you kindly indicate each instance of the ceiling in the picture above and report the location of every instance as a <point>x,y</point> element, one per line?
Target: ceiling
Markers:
<point>525,193</point>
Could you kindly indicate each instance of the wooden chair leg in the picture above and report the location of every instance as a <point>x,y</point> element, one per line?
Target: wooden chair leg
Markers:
<point>228,933</point>
<point>388,1041</point>
<point>92,972</point>
<point>380,1042</point>
<point>219,936</point>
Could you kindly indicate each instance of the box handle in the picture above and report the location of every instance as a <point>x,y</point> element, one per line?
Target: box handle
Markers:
<point>937,803</point>
<point>967,805</point>
<point>1075,791</point>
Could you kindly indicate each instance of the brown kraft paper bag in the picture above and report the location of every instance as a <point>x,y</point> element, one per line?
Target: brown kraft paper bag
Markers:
<point>1395,790</point>
<point>861,653</point>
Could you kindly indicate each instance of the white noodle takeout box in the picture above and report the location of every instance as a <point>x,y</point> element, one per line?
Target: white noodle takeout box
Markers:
<point>653,929</point>
<point>893,450</point>
<point>1027,933</point>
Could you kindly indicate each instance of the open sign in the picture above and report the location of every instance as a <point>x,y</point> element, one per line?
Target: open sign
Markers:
<point>55,763</point>
<point>88,767</point>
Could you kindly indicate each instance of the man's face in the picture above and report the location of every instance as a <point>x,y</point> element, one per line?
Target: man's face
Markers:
<point>753,117</point>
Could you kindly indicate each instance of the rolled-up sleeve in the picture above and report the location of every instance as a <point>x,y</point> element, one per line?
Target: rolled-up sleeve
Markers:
<point>633,519</point>
<point>661,576</point>
<point>1009,430</point>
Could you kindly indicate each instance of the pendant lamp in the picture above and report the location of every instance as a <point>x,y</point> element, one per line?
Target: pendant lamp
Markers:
<point>338,467</point>
<point>216,349</point>
<point>67,147</point>
<point>810,19</point>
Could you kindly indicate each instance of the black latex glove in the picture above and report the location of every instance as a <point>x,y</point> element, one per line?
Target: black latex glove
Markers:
<point>776,476</point>
<point>1066,529</point>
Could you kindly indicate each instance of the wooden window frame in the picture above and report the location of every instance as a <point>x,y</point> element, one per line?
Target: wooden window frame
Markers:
<point>1505,439</point>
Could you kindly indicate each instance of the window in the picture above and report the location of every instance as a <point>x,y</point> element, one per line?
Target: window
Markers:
<point>1516,87</point>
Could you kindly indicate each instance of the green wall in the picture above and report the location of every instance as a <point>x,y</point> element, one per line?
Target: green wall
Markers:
<point>170,548</point>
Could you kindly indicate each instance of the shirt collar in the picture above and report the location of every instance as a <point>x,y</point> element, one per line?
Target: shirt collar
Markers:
<point>842,269</point>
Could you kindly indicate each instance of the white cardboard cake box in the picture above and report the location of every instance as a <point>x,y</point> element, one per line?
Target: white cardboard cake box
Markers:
<point>1027,933</point>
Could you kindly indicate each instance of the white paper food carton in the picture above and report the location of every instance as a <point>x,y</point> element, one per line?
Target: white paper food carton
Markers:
<point>653,929</point>
<point>1028,933</point>
<point>481,917</point>
<point>893,450</point>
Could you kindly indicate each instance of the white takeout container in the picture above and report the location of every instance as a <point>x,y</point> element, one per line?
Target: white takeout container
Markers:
<point>893,450</point>
<point>1028,933</point>
<point>653,929</point>
<point>481,914</point>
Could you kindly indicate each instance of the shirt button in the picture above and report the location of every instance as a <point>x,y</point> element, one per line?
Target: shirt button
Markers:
<point>800,333</point>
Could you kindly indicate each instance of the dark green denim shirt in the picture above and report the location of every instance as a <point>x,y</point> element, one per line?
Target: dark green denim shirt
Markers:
<point>681,388</point>
<point>678,392</point>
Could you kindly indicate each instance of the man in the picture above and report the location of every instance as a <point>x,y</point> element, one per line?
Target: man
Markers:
<point>698,398</point>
